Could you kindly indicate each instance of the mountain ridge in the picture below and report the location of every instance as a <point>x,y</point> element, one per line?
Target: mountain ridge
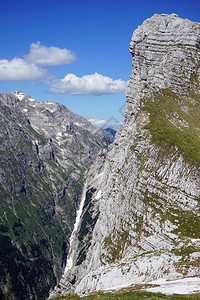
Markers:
<point>148,224</point>
<point>46,151</point>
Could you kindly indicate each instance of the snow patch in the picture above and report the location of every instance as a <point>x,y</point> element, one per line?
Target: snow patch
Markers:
<point>59,133</point>
<point>31,99</point>
<point>70,257</point>
<point>50,102</point>
<point>179,286</point>
<point>19,95</point>
<point>98,196</point>
<point>52,110</point>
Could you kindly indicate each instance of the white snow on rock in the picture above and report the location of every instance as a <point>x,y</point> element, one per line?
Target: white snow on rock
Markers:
<point>98,196</point>
<point>70,258</point>
<point>21,96</point>
<point>31,99</point>
<point>179,286</point>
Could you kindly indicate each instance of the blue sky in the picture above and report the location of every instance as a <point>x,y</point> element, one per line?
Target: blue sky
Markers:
<point>42,42</point>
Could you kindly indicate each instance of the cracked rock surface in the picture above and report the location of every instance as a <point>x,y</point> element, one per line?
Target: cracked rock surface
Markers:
<point>148,221</point>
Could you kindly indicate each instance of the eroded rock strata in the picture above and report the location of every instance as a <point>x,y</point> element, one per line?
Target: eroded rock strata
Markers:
<point>148,224</point>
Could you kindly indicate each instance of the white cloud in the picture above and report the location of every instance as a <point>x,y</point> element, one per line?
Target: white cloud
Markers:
<point>18,69</point>
<point>112,123</point>
<point>49,56</point>
<point>94,84</point>
<point>97,122</point>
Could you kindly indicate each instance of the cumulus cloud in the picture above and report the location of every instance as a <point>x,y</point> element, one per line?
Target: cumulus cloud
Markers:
<point>112,123</point>
<point>97,122</point>
<point>94,84</point>
<point>18,69</point>
<point>49,56</point>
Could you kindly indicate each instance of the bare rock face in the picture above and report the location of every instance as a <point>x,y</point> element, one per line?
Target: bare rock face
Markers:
<point>161,48</point>
<point>165,51</point>
<point>148,225</point>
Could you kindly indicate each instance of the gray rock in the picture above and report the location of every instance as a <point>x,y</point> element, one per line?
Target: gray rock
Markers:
<point>149,209</point>
<point>46,151</point>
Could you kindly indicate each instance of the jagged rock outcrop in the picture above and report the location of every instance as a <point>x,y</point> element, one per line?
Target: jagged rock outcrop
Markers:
<point>46,151</point>
<point>148,225</point>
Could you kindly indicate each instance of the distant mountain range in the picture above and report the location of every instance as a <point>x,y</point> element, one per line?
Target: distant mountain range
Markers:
<point>46,151</point>
<point>139,218</point>
<point>111,131</point>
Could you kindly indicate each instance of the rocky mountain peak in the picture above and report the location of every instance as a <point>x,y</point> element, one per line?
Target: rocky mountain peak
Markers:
<point>147,226</point>
<point>165,51</point>
<point>22,96</point>
<point>165,55</point>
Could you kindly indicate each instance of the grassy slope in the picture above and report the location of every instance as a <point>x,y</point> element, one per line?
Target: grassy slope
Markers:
<point>131,295</point>
<point>174,121</point>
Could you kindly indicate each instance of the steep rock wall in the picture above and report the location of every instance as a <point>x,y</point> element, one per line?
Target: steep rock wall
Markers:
<point>148,225</point>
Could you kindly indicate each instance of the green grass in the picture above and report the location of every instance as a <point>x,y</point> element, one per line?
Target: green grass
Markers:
<point>130,295</point>
<point>167,106</point>
<point>115,245</point>
<point>187,222</point>
<point>42,140</point>
<point>189,225</point>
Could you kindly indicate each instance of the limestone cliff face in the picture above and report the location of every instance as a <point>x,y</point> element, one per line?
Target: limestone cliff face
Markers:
<point>148,225</point>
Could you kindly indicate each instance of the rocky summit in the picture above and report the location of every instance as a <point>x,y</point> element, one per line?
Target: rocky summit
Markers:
<point>141,218</point>
<point>46,151</point>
